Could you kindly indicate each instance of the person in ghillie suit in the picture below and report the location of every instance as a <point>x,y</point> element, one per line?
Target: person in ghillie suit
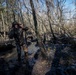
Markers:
<point>17,33</point>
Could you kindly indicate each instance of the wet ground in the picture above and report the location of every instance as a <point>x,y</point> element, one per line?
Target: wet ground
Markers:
<point>12,54</point>
<point>58,55</point>
<point>10,65</point>
<point>61,61</point>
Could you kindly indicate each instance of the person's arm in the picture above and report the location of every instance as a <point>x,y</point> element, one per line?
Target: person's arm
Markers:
<point>11,33</point>
<point>24,28</point>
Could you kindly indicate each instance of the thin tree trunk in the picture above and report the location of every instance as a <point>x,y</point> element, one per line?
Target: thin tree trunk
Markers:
<point>3,24</point>
<point>22,19</point>
<point>50,25</point>
<point>14,19</point>
<point>43,52</point>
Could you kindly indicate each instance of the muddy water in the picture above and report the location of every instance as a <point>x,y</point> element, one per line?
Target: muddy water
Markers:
<point>10,63</point>
<point>12,54</point>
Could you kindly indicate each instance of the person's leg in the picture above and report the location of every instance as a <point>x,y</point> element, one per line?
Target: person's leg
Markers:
<point>25,48</point>
<point>19,52</point>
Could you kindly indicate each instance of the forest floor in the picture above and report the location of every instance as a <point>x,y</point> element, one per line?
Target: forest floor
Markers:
<point>9,64</point>
<point>61,61</point>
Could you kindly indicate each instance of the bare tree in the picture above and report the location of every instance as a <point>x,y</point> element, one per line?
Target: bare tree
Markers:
<point>43,51</point>
<point>48,12</point>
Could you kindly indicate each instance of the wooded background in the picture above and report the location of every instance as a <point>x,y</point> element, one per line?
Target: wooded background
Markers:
<point>50,17</point>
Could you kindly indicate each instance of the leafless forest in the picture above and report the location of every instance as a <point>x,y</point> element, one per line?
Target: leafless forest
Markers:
<point>52,24</point>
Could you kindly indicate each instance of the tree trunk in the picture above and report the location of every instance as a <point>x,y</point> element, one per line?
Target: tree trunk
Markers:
<point>43,52</point>
<point>3,24</point>
<point>54,38</point>
<point>14,19</point>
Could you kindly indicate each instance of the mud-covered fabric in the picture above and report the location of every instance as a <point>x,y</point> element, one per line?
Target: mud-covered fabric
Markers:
<point>18,36</point>
<point>25,48</point>
<point>11,34</point>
